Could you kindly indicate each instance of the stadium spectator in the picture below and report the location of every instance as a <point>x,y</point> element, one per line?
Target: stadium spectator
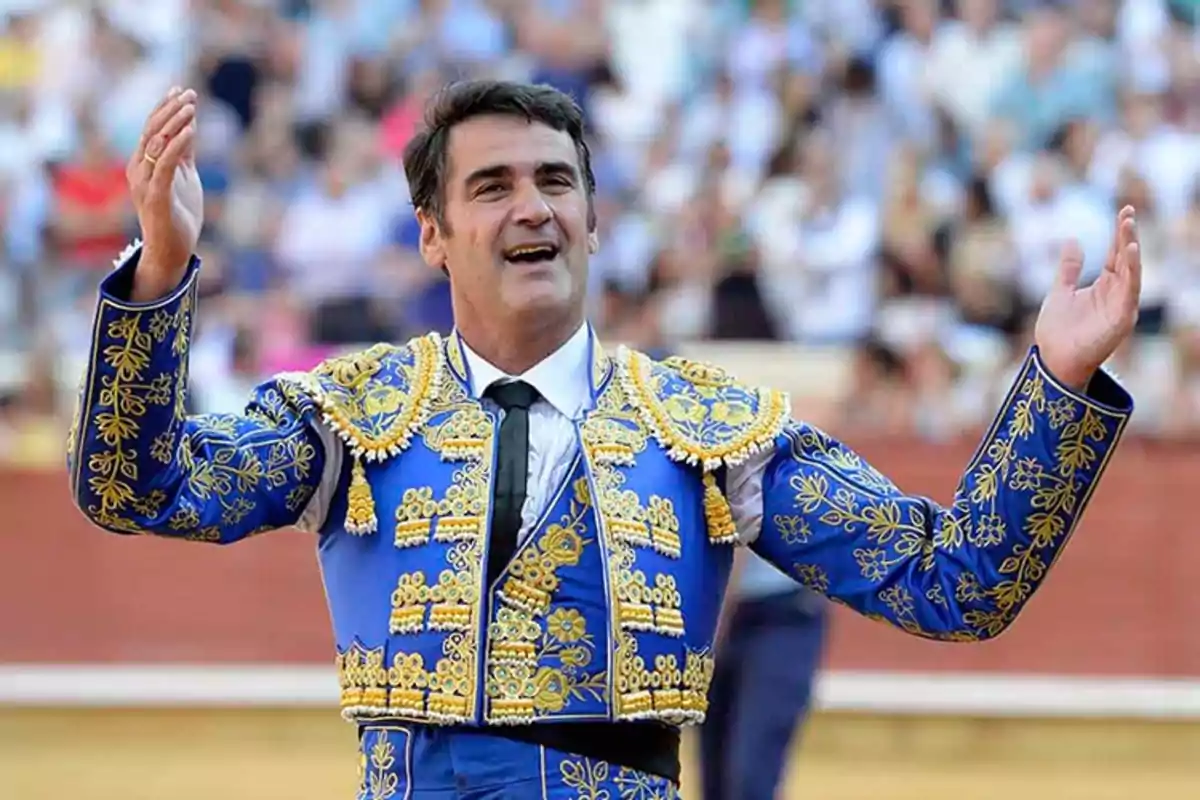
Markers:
<point>883,181</point>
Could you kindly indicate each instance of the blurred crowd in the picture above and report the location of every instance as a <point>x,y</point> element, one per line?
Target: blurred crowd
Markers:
<point>888,179</point>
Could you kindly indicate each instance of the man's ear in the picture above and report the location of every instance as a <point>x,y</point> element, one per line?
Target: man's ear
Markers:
<point>593,243</point>
<point>433,247</point>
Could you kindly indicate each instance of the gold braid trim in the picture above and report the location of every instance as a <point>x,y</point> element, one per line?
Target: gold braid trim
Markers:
<point>702,416</point>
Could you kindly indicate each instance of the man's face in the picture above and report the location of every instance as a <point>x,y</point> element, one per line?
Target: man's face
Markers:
<point>516,239</point>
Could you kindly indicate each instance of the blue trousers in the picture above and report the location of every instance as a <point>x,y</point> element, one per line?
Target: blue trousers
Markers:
<point>406,761</point>
<point>760,694</point>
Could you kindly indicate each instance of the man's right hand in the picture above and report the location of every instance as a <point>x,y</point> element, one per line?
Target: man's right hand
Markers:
<point>167,195</point>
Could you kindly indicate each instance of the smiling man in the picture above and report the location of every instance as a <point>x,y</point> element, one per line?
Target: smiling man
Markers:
<point>525,538</point>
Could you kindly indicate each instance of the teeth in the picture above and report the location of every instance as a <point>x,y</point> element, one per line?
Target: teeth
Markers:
<point>520,251</point>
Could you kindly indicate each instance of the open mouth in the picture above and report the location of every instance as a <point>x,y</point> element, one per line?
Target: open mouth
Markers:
<point>531,254</point>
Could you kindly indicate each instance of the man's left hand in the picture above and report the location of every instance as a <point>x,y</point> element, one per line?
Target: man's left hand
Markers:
<point>1078,329</point>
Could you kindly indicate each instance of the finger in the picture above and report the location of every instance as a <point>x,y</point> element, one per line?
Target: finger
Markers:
<point>162,115</point>
<point>182,118</point>
<point>168,162</point>
<point>141,172</point>
<point>1070,264</point>
<point>140,150</point>
<point>158,144</point>
<point>1119,238</point>
<point>1131,275</point>
<point>189,154</point>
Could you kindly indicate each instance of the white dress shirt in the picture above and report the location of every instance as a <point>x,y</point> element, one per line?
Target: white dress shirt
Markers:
<point>563,382</point>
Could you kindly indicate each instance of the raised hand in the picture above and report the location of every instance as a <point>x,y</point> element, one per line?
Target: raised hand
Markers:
<point>1078,329</point>
<point>166,194</point>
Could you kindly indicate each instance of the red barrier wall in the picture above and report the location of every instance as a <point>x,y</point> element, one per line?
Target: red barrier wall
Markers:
<point>1123,600</point>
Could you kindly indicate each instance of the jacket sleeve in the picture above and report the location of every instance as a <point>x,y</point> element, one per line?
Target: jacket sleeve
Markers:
<point>961,572</point>
<point>140,464</point>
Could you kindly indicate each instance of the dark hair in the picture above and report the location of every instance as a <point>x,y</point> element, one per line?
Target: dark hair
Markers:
<point>425,154</point>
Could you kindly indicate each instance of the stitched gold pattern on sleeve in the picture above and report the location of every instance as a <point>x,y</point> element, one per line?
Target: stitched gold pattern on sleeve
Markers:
<point>143,466</point>
<point>961,573</point>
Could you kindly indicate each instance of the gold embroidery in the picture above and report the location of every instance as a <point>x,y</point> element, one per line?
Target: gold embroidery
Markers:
<point>360,506</point>
<point>717,512</point>
<point>414,516</point>
<point>382,780</point>
<point>650,608</point>
<point>123,398</point>
<point>634,785</point>
<point>454,604</point>
<point>454,356</point>
<point>842,492</point>
<point>375,400</point>
<point>236,471</point>
<point>664,526</point>
<point>449,603</point>
<point>585,776</point>
<point>701,416</point>
<point>698,413</point>
<point>594,780</point>
<point>521,684</point>
<point>665,690</point>
<point>407,688</point>
<point>465,435</point>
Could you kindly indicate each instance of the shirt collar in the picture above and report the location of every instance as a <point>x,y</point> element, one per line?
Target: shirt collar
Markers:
<point>562,378</point>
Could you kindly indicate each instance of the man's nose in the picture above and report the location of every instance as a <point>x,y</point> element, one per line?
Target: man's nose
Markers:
<point>531,207</point>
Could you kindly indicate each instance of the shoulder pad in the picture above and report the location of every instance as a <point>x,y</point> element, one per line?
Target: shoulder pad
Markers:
<point>698,412</point>
<point>377,398</point>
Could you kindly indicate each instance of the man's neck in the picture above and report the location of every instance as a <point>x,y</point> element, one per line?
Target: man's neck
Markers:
<point>515,352</point>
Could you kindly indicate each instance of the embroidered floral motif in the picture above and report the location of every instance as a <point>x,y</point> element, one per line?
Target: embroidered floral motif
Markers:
<point>963,572</point>
<point>540,650</point>
<point>699,413</point>
<point>701,416</point>
<point>383,768</point>
<point>598,780</point>
<point>232,475</point>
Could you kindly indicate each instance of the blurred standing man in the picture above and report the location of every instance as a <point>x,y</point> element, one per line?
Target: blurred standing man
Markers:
<point>525,539</point>
<point>767,661</point>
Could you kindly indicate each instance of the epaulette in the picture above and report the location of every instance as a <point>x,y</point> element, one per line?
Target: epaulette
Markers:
<point>375,400</point>
<point>701,415</point>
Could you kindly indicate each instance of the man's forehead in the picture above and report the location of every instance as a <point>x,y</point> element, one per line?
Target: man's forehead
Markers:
<point>505,141</point>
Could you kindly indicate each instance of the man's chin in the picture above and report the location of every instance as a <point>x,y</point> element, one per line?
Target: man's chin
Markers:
<point>537,297</point>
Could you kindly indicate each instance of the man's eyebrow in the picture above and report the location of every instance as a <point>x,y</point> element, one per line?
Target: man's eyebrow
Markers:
<point>488,173</point>
<point>497,171</point>
<point>557,168</point>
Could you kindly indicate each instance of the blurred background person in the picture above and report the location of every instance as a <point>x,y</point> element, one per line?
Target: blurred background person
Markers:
<point>773,636</point>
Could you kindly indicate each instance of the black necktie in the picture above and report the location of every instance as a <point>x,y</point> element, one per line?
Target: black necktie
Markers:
<point>512,469</point>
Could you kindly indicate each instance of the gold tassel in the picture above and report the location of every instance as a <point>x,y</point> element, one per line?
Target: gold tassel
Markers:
<point>360,507</point>
<point>718,513</point>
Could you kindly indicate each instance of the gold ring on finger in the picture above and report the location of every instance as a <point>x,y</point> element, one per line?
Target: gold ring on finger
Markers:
<point>151,159</point>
